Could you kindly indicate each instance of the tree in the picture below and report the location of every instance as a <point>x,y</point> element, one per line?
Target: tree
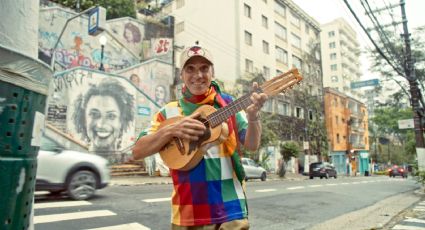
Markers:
<point>287,150</point>
<point>114,8</point>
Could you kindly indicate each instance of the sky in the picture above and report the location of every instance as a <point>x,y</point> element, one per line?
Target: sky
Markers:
<point>326,10</point>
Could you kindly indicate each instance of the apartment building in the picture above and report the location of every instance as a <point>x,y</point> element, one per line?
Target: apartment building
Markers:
<point>347,127</point>
<point>250,36</point>
<point>340,57</point>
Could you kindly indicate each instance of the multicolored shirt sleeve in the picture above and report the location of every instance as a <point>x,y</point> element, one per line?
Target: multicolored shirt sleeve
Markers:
<point>211,192</point>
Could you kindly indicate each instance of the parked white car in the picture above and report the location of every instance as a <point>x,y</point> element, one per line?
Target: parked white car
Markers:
<point>78,174</point>
<point>253,170</point>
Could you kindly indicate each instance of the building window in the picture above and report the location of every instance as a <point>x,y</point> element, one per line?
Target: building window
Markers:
<point>334,67</point>
<point>310,115</point>
<point>179,4</point>
<point>295,41</point>
<point>283,108</point>
<point>248,38</point>
<point>337,120</point>
<point>266,72</point>
<point>247,10</point>
<point>337,138</point>
<point>266,47</point>
<point>179,27</point>
<point>296,62</point>
<point>278,72</point>
<point>331,33</point>
<point>332,45</point>
<point>307,29</point>
<point>264,21</point>
<point>280,8</point>
<point>249,66</point>
<point>280,31</point>
<point>295,20</point>
<point>334,79</point>
<point>299,112</point>
<point>281,55</point>
<point>333,56</point>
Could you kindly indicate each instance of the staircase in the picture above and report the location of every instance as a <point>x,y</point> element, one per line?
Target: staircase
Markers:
<point>128,169</point>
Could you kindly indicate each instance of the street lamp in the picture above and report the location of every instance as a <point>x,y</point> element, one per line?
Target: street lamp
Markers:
<point>103,42</point>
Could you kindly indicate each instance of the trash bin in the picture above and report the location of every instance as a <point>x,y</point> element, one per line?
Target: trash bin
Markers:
<point>24,84</point>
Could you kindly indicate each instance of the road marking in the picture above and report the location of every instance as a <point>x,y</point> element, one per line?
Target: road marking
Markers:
<point>355,182</point>
<point>345,183</point>
<point>414,220</point>
<point>157,200</point>
<point>406,227</point>
<point>297,187</point>
<point>331,184</point>
<point>71,216</point>
<point>266,190</point>
<point>132,226</point>
<point>315,185</point>
<point>41,193</point>
<point>61,204</point>
<point>420,209</point>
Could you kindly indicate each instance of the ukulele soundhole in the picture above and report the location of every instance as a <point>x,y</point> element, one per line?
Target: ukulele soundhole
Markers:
<point>194,145</point>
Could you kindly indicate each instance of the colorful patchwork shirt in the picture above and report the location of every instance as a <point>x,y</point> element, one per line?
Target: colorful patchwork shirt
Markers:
<point>212,191</point>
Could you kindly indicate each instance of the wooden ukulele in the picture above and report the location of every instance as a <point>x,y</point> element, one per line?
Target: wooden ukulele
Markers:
<point>181,154</point>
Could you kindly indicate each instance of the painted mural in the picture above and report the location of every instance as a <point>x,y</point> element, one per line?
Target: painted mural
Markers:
<point>76,47</point>
<point>95,108</point>
<point>153,77</point>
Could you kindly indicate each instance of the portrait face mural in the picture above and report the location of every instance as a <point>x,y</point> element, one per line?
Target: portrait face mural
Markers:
<point>101,109</point>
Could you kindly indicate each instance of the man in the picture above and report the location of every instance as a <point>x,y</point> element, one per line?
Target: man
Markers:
<point>210,195</point>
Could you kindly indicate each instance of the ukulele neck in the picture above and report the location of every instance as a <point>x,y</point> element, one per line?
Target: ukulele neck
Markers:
<point>222,114</point>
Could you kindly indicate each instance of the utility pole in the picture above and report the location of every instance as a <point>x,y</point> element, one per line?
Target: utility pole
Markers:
<point>414,91</point>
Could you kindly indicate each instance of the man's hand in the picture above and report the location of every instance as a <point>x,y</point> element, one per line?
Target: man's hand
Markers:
<point>189,128</point>
<point>258,100</point>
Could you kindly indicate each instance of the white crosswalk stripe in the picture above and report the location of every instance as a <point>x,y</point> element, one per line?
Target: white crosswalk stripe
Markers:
<point>71,216</point>
<point>54,218</point>
<point>132,226</point>
<point>412,223</point>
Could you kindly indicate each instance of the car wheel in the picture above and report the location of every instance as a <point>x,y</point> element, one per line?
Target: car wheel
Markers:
<point>82,185</point>
<point>335,176</point>
<point>263,176</point>
<point>311,177</point>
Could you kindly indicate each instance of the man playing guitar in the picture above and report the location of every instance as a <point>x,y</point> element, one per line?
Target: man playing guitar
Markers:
<point>210,193</point>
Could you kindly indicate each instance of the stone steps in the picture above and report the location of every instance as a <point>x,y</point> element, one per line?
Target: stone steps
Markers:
<point>128,170</point>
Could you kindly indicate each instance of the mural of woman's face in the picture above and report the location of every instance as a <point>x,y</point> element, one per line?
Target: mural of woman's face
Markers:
<point>128,35</point>
<point>103,122</point>
<point>160,93</point>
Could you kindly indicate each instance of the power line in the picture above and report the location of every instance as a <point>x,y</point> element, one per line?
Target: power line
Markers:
<point>371,39</point>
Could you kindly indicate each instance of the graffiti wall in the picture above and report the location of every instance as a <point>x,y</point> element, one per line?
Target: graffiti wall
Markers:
<point>96,108</point>
<point>152,79</point>
<point>76,47</point>
<point>145,39</point>
<point>128,41</point>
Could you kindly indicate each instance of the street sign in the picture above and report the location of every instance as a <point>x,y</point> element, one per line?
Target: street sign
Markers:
<point>406,124</point>
<point>93,20</point>
<point>359,84</point>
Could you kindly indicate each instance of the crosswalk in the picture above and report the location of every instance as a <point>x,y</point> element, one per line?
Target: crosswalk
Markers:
<point>79,215</point>
<point>414,222</point>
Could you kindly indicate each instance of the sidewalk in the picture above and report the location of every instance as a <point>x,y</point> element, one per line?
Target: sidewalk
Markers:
<point>148,180</point>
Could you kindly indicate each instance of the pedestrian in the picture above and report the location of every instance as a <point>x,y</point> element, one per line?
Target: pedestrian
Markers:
<point>211,195</point>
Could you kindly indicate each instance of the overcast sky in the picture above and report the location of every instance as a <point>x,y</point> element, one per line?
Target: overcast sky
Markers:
<point>326,10</point>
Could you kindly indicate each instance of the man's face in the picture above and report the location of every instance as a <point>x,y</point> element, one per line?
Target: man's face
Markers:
<point>197,75</point>
<point>103,122</point>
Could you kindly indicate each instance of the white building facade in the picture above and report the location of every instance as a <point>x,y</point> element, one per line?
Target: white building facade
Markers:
<point>340,57</point>
<point>245,36</point>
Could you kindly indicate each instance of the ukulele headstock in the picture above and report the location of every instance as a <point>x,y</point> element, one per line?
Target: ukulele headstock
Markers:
<point>282,82</point>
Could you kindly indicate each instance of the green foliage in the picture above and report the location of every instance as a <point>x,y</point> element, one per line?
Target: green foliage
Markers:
<point>263,161</point>
<point>289,149</point>
<point>114,8</point>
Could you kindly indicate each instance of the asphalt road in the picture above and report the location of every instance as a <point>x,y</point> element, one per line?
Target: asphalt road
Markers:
<point>341,203</point>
